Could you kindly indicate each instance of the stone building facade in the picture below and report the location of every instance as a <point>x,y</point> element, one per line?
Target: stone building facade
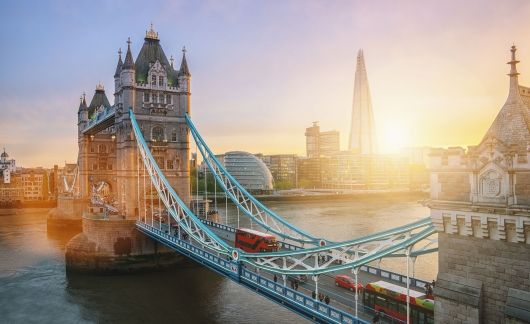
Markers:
<point>480,205</point>
<point>159,95</point>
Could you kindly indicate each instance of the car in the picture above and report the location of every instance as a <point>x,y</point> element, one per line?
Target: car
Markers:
<point>347,282</point>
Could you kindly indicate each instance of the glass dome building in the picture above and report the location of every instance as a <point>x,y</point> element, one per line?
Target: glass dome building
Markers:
<point>250,171</point>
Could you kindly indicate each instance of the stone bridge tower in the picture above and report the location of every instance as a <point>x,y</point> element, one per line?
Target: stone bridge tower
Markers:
<point>480,205</point>
<point>159,95</point>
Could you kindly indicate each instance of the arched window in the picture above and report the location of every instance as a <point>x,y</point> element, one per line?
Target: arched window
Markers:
<point>157,134</point>
<point>153,79</point>
<point>161,81</point>
<point>102,148</point>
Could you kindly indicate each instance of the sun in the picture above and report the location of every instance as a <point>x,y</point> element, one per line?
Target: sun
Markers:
<point>393,139</point>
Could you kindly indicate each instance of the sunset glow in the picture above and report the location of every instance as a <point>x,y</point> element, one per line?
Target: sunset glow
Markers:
<point>436,77</point>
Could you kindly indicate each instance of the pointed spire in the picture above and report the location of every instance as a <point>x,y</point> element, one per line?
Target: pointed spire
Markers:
<point>82,103</point>
<point>129,62</point>
<point>184,70</point>
<point>362,129</point>
<point>514,80</point>
<point>171,59</point>
<point>119,66</point>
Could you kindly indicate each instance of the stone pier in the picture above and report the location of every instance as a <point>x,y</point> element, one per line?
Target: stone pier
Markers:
<point>108,246</point>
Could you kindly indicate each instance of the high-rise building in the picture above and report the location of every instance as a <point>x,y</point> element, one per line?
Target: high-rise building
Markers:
<point>282,168</point>
<point>362,131</point>
<point>321,143</point>
<point>329,143</point>
<point>311,140</point>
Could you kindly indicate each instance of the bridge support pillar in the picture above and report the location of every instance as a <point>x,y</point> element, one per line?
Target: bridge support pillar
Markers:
<point>115,246</point>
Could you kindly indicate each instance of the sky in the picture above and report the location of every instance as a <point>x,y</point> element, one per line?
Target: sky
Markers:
<point>263,71</point>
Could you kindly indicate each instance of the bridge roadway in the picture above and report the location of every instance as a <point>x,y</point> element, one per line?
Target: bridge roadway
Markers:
<point>340,298</point>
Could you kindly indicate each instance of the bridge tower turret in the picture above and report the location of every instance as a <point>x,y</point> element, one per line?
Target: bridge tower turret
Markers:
<point>480,206</point>
<point>159,96</point>
<point>117,79</point>
<point>127,80</point>
<point>82,114</point>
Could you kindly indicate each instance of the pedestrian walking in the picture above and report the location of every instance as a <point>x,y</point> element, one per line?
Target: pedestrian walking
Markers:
<point>320,297</point>
<point>377,318</point>
<point>326,300</point>
<point>275,278</point>
<point>296,284</point>
<point>314,295</point>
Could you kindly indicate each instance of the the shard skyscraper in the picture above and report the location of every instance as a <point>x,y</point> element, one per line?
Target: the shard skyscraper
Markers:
<point>362,131</point>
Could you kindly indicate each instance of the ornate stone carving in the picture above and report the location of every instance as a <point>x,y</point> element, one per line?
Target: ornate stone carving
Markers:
<point>491,184</point>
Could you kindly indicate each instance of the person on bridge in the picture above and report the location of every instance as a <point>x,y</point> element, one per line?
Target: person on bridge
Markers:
<point>275,278</point>
<point>377,318</point>
<point>314,295</point>
<point>326,300</point>
<point>320,297</point>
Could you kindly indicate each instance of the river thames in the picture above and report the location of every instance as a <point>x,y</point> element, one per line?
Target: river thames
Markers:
<point>34,287</point>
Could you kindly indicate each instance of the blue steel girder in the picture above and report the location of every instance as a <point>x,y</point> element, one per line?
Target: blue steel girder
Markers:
<point>246,202</point>
<point>318,261</point>
<point>178,210</point>
<point>315,260</point>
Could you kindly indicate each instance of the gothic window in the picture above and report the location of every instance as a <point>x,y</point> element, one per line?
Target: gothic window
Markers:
<point>92,149</point>
<point>168,99</point>
<point>154,97</point>
<point>153,80</point>
<point>146,97</point>
<point>102,148</point>
<point>160,80</point>
<point>169,164</point>
<point>160,161</point>
<point>162,98</point>
<point>174,136</point>
<point>157,134</point>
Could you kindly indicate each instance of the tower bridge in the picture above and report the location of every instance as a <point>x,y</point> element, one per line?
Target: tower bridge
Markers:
<point>139,147</point>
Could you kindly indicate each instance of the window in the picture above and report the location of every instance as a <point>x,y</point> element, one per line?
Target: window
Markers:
<point>92,149</point>
<point>109,167</point>
<point>160,161</point>
<point>174,136</point>
<point>157,134</point>
<point>146,97</point>
<point>169,164</point>
<point>162,98</point>
<point>102,148</point>
<point>160,80</point>
<point>168,99</point>
<point>153,80</point>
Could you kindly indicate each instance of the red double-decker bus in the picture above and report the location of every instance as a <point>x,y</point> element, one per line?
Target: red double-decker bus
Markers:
<point>250,240</point>
<point>392,300</point>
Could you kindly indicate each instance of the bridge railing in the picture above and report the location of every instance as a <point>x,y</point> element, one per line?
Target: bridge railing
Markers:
<point>236,271</point>
<point>298,298</point>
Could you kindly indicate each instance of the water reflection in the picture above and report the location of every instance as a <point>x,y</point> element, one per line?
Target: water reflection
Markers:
<point>34,286</point>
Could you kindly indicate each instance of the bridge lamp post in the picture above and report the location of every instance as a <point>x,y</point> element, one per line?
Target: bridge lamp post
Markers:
<point>407,254</point>
<point>315,278</point>
<point>355,272</point>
